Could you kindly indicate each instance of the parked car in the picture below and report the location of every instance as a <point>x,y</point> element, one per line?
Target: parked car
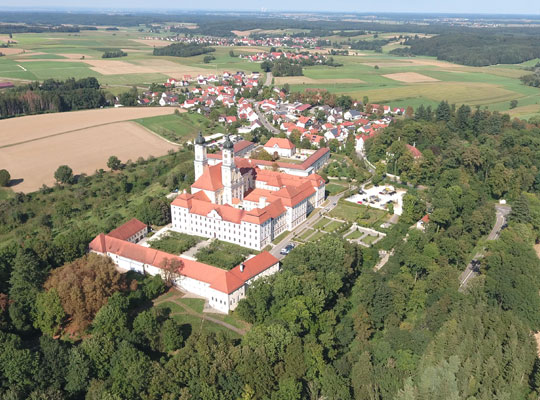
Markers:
<point>359,202</point>
<point>287,249</point>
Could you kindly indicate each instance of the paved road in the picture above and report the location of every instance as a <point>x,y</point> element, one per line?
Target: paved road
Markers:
<point>471,271</point>
<point>265,122</point>
<point>331,202</point>
<point>268,81</point>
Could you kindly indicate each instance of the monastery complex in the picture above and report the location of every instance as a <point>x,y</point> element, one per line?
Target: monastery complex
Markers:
<point>236,201</point>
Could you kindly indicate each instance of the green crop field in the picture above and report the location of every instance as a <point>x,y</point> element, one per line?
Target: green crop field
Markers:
<point>177,128</point>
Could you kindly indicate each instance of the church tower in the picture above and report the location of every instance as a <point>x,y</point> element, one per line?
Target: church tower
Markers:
<point>201,160</point>
<point>227,170</point>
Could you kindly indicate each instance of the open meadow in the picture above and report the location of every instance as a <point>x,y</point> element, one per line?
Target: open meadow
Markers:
<point>33,147</point>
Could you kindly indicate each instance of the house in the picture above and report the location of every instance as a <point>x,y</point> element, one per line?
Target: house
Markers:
<point>304,122</point>
<point>283,147</point>
<point>414,151</point>
<point>132,231</point>
<point>422,223</point>
<point>352,115</point>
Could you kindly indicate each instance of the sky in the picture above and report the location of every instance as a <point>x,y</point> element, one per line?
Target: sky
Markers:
<point>415,6</point>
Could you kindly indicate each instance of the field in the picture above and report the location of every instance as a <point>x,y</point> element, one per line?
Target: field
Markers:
<point>32,147</point>
<point>384,78</point>
<point>177,128</point>
<point>362,215</point>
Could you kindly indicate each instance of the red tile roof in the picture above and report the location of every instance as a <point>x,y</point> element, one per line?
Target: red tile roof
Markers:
<point>414,151</point>
<point>282,143</point>
<point>128,229</point>
<point>210,178</point>
<point>219,279</point>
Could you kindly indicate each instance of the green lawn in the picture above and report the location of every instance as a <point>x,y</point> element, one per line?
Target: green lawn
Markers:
<point>194,304</point>
<point>175,242</point>
<point>223,255</point>
<point>199,325</point>
<point>317,236</point>
<point>369,239</point>
<point>321,223</point>
<point>177,127</point>
<point>333,188</point>
<point>357,213</point>
<point>354,235</point>
<point>175,308</point>
<point>305,234</point>
<point>332,226</point>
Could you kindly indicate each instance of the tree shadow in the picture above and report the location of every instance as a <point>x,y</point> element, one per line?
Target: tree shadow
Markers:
<point>15,182</point>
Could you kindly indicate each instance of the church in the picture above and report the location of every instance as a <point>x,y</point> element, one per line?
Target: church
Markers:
<point>238,202</point>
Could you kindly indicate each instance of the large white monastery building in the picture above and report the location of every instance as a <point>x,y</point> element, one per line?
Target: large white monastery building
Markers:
<point>236,201</point>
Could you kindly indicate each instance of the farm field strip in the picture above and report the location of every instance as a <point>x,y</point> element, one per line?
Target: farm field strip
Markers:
<point>24,129</point>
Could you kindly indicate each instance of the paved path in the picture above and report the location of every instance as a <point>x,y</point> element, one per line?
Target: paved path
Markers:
<point>175,299</point>
<point>268,80</point>
<point>163,231</point>
<point>383,260</point>
<point>190,253</point>
<point>471,271</point>
<point>265,122</point>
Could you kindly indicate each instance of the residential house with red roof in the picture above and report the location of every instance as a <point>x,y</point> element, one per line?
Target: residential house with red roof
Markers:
<point>283,147</point>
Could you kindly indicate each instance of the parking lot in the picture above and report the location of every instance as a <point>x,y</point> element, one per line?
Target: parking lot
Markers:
<point>380,197</point>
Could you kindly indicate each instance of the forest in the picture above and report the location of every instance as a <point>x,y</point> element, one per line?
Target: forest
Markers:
<point>476,49</point>
<point>182,50</point>
<point>327,325</point>
<point>51,96</point>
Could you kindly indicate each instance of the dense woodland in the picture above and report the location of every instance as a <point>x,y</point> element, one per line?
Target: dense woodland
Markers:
<point>51,96</point>
<point>71,327</point>
<point>182,50</point>
<point>476,49</point>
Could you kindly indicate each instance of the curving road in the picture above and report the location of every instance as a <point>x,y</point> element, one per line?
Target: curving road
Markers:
<point>472,270</point>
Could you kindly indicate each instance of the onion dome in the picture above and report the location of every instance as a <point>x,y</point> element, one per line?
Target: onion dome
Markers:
<point>200,139</point>
<point>228,145</point>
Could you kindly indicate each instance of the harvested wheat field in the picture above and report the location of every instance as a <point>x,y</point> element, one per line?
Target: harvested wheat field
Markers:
<point>153,42</point>
<point>304,80</point>
<point>410,77</point>
<point>9,51</point>
<point>84,150</point>
<point>32,127</point>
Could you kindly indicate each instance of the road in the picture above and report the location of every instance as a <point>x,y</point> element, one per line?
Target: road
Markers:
<point>268,80</point>
<point>265,122</point>
<point>331,203</point>
<point>471,271</point>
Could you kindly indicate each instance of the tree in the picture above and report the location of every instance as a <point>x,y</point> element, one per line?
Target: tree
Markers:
<point>49,312</point>
<point>84,287</point>
<point>114,163</point>
<point>171,335</point>
<point>171,269</point>
<point>26,279</point>
<point>111,319</point>
<point>513,104</point>
<point>4,177</point>
<point>64,174</point>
